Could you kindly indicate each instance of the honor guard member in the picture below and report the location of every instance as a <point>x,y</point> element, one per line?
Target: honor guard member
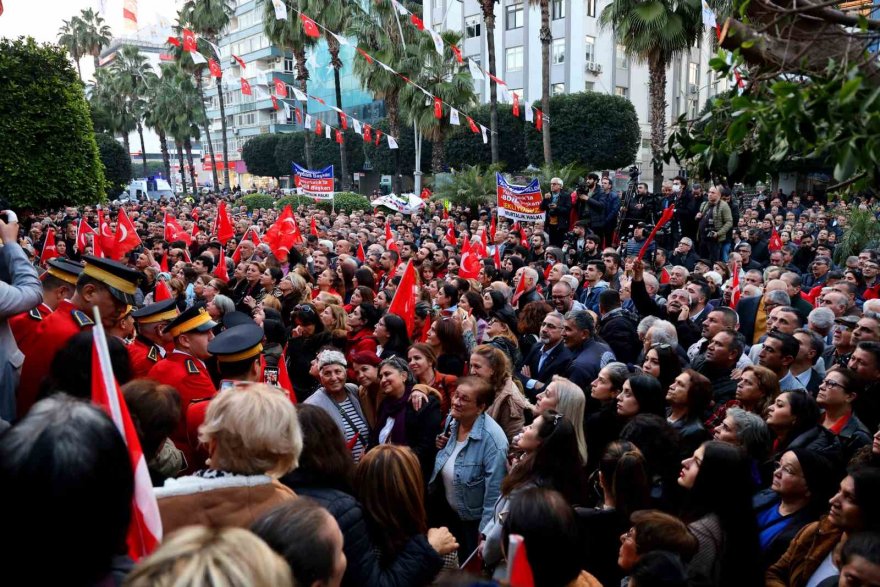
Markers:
<point>104,284</point>
<point>237,350</point>
<point>149,345</point>
<point>59,283</point>
<point>185,370</point>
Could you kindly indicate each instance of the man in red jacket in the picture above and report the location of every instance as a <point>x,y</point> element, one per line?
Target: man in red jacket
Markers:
<point>149,345</point>
<point>59,283</point>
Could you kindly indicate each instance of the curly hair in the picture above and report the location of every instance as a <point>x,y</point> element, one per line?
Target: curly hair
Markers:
<point>531,316</point>
<point>497,359</point>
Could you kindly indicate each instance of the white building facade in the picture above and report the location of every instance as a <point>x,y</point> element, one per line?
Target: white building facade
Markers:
<point>584,56</point>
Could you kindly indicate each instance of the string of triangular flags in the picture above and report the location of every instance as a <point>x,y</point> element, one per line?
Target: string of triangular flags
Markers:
<point>711,21</point>
<point>313,28</point>
<point>532,114</point>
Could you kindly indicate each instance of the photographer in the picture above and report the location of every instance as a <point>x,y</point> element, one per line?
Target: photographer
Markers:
<point>557,204</point>
<point>20,291</point>
<point>643,207</point>
<point>603,206</point>
<point>715,221</point>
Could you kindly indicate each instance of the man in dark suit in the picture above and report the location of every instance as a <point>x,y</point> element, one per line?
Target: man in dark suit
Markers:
<point>547,359</point>
<point>753,310</point>
<point>557,204</point>
<point>589,354</point>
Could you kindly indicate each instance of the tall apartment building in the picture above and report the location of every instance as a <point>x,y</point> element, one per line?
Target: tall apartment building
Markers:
<point>248,116</point>
<point>584,56</point>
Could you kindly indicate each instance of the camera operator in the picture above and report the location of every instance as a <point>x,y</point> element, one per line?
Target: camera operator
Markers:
<point>642,208</point>
<point>557,204</point>
<point>715,221</point>
<point>603,205</point>
<point>640,235</point>
<point>20,291</point>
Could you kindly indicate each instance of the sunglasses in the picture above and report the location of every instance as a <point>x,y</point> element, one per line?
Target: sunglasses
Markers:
<point>304,308</point>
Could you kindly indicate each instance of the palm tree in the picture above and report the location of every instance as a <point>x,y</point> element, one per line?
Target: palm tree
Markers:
<point>656,32</point>
<point>289,35</point>
<point>441,77</point>
<point>179,112</point>
<point>546,38</point>
<point>94,34</point>
<point>379,34</point>
<point>209,18</point>
<point>336,15</point>
<point>488,7</point>
<point>152,118</point>
<point>108,95</point>
<point>69,37</point>
<point>132,69</point>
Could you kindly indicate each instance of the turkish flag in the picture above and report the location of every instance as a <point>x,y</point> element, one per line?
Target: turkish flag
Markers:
<point>82,230</point>
<point>240,61</point>
<point>189,40</point>
<point>249,235</point>
<point>220,271</point>
<point>390,243</point>
<point>734,285</point>
<point>280,88</point>
<point>145,525</point>
<point>472,124</point>
<point>472,259</point>
<point>343,120</point>
<point>365,55</point>
<point>404,302</point>
<point>417,22</point>
<point>319,129</point>
<point>496,256</point>
<point>161,292</point>
<point>126,235</point>
<point>163,264</point>
<point>520,289</point>
<point>105,240</point>
<point>224,229</point>
<point>50,251</point>
<point>515,104</point>
<point>492,229</point>
<point>378,136</point>
<point>313,227</point>
<point>174,232</point>
<point>539,119</point>
<point>775,243</point>
<point>450,234</point>
<point>215,68</point>
<point>457,52</point>
<point>438,108</point>
<point>368,137</point>
<point>360,253</point>
<point>664,218</point>
<point>274,102</point>
<point>309,26</point>
<point>339,137</point>
<point>284,234</point>
<point>245,87</point>
<point>173,41</point>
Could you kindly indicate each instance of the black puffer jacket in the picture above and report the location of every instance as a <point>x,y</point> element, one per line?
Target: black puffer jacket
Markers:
<point>618,329</point>
<point>416,564</point>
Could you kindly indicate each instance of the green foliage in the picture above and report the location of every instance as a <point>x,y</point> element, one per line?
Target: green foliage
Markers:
<point>862,232</point>
<point>383,159</point>
<point>833,120</point>
<point>258,153</point>
<point>569,174</point>
<point>255,201</point>
<point>463,147</point>
<point>654,29</point>
<point>342,201</point>
<point>48,155</point>
<point>472,187</point>
<point>597,131</point>
<point>117,163</point>
<point>291,149</point>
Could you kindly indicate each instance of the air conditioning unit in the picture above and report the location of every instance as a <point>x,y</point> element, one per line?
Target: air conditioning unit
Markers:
<point>235,131</point>
<point>693,89</point>
<point>593,67</point>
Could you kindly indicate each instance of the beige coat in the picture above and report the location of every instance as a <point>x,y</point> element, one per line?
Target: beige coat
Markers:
<point>508,408</point>
<point>235,500</point>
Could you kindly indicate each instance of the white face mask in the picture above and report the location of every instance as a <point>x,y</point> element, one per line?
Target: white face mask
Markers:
<point>676,188</point>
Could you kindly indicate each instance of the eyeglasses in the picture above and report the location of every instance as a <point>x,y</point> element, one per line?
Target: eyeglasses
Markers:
<point>831,383</point>
<point>304,308</point>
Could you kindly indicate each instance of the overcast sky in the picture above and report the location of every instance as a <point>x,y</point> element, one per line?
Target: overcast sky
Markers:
<point>41,19</point>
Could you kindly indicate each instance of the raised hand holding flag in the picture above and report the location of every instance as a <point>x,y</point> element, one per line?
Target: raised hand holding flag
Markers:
<point>666,217</point>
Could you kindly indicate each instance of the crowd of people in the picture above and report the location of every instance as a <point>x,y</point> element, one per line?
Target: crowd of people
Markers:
<point>704,415</point>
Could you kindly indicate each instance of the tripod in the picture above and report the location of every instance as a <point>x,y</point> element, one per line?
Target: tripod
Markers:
<point>625,203</point>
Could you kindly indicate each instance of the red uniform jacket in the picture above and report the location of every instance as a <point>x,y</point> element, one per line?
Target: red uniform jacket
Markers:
<point>52,334</point>
<point>144,354</point>
<point>191,379</point>
<point>24,325</point>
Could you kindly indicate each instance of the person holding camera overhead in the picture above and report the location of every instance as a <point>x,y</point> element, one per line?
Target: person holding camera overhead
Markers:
<point>715,221</point>
<point>557,204</point>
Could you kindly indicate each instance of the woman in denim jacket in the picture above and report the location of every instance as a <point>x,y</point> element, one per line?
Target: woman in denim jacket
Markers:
<point>470,466</point>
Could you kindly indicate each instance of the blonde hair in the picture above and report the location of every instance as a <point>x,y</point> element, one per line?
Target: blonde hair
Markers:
<point>271,301</point>
<point>340,320</point>
<point>254,431</point>
<point>300,286</point>
<point>220,557</point>
<point>571,403</point>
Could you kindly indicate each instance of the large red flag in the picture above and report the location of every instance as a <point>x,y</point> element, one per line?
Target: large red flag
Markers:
<point>472,259</point>
<point>390,243</point>
<point>775,243</point>
<point>404,302</point>
<point>252,236</point>
<point>664,218</point>
<point>734,286</point>
<point>224,230</point>
<point>282,235</point>
<point>450,234</point>
<point>82,230</point>
<point>496,256</point>
<point>105,242</point>
<point>283,376</point>
<point>145,528</point>
<point>174,232</point>
<point>50,251</point>
<point>520,289</point>
<point>220,271</point>
<point>309,26</point>
<point>216,71</point>
<point>189,40</point>
<point>313,227</point>
<point>520,571</point>
<point>360,254</point>
<point>126,235</point>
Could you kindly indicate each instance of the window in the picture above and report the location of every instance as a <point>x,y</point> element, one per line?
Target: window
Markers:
<point>694,74</point>
<point>591,8</point>
<point>557,8</point>
<point>513,59</point>
<point>622,58</point>
<point>557,89</point>
<point>646,144</point>
<point>621,91</point>
<point>472,26</point>
<point>590,48</point>
<point>514,15</point>
<point>558,54</point>
<point>288,65</point>
<point>588,86</point>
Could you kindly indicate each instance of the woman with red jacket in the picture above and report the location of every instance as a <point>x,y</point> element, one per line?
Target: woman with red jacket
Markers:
<point>361,323</point>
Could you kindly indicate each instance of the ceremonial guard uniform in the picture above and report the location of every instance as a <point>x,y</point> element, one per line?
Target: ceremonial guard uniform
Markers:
<point>186,373</point>
<point>145,353</point>
<point>24,325</point>
<point>69,319</point>
<point>238,343</point>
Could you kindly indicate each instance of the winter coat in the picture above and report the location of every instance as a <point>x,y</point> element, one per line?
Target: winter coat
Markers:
<point>804,555</point>
<point>508,409</point>
<point>618,329</point>
<point>722,220</point>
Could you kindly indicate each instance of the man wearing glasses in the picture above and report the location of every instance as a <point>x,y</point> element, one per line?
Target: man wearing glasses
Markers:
<point>557,205</point>
<point>549,358</point>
